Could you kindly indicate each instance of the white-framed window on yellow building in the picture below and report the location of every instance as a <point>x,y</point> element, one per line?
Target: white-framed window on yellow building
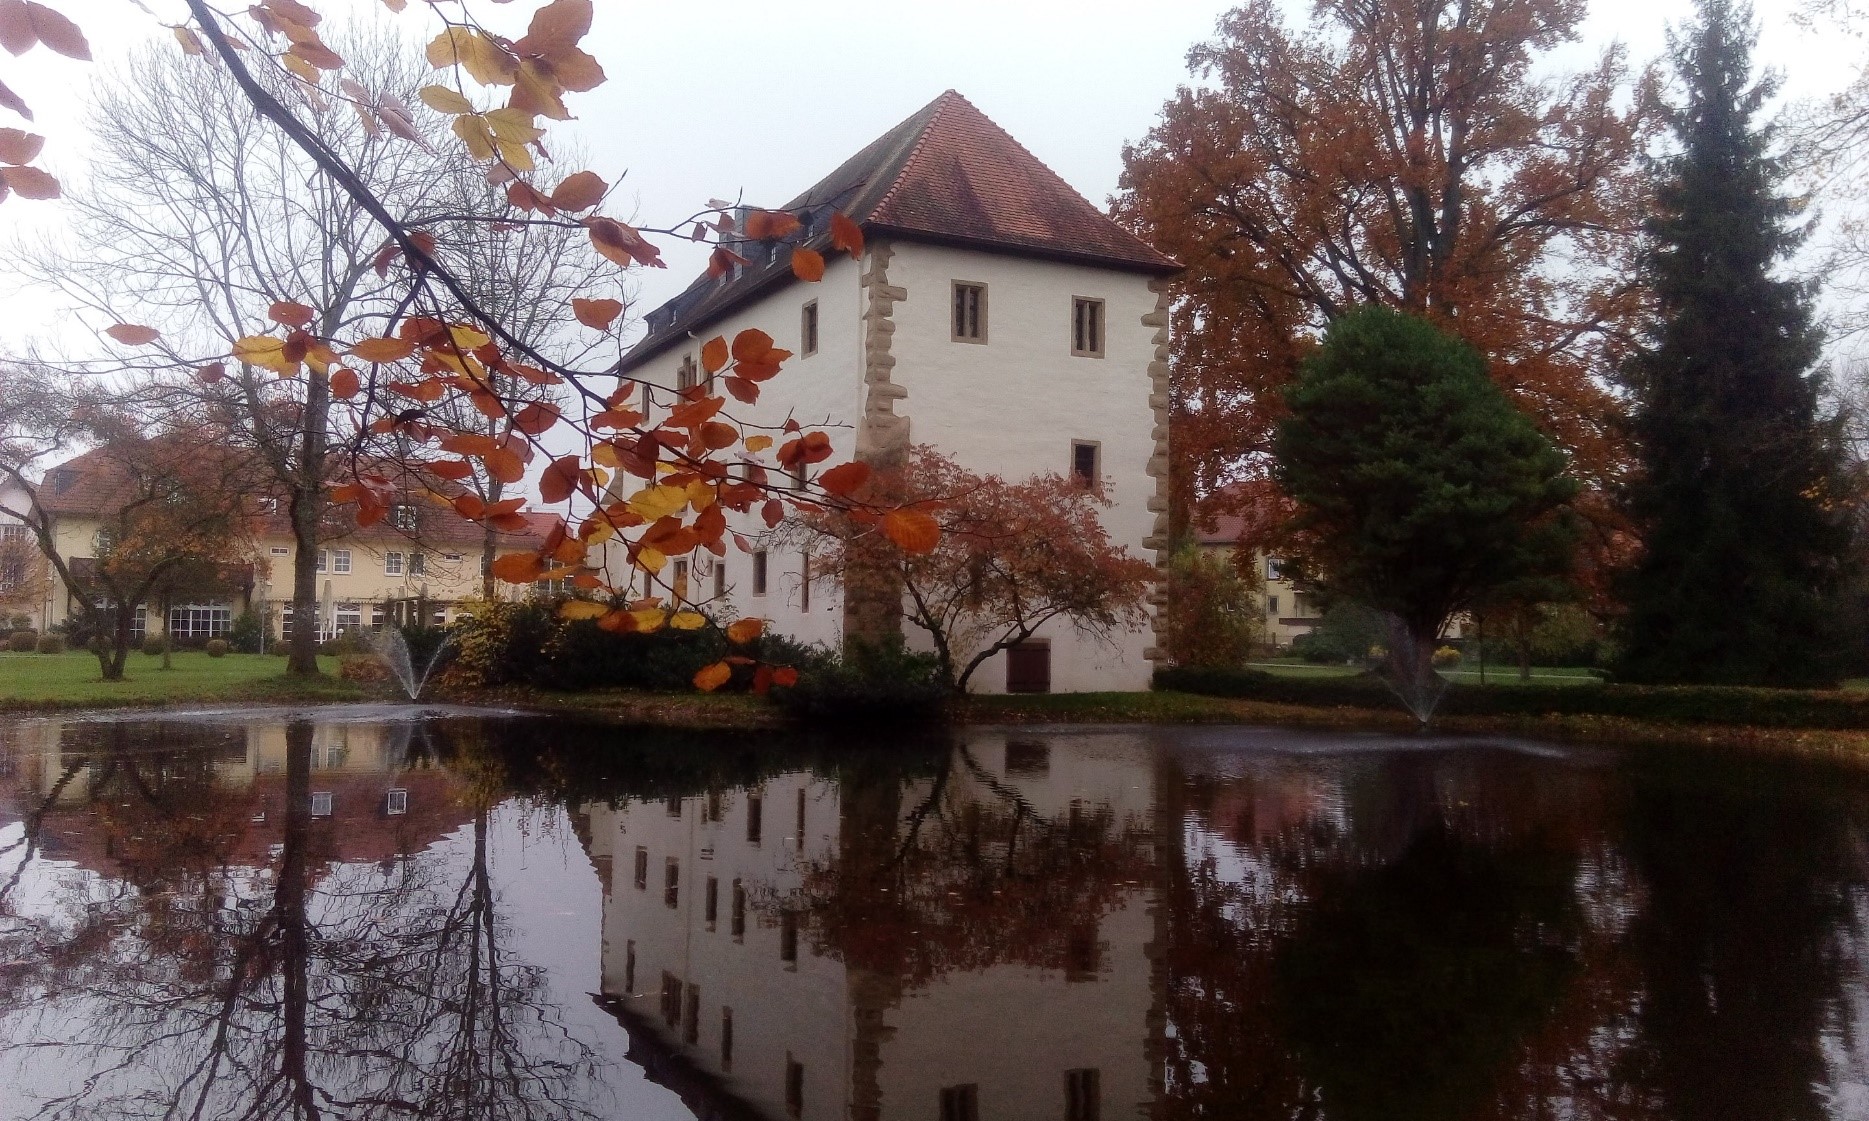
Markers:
<point>392,564</point>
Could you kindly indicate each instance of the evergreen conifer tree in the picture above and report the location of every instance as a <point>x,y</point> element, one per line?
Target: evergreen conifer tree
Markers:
<point>1738,501</point>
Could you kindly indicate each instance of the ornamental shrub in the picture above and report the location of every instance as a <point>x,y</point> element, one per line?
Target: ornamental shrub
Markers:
<point>866,683</point>
<point>1446,658</point>
<point>217,647</point>
<point>23,642</point>
<point>153,645</point>
<point>1212,617</point>
<point>244,635</point>
<point>51,644</point>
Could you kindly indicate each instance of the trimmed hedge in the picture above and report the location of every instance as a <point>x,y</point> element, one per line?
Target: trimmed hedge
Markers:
<point>22,642</point>
<point>51,644</point>
<point>1668,704</point>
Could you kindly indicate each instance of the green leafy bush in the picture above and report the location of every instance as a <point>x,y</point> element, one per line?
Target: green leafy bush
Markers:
<point>22,642</point>
<point>217,647</point>
<point>1346,634</point>
<point>1212,617</point>
<point>867,682</point>
<point>244,635</point>
<point>51,644</point>
<point>1446,658</point>
<point>154,645</point>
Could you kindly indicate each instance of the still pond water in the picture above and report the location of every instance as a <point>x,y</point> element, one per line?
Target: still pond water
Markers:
<point>368,913</point>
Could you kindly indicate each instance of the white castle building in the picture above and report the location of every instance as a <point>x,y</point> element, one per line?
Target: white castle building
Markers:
<point>996,315</point>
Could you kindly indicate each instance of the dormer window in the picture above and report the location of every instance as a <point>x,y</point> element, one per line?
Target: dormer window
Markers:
<point>62,480</point>
<point>404,518</point>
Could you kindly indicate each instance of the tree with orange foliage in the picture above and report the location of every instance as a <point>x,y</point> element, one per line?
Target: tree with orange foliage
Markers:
<point>442,342</point>
<point>1003,559</point>
<point>1394,153</point>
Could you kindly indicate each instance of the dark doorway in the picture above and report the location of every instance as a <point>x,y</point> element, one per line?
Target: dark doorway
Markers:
<point>1028,667</point>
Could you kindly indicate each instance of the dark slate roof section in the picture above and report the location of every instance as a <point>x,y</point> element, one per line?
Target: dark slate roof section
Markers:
<point>947,175</point>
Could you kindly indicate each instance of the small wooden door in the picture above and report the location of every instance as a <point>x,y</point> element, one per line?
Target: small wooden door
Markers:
<point>1028,668</point>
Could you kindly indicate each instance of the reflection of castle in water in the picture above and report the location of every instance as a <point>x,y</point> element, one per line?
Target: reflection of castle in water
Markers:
<point>980,942</point>
<point>371,799</point>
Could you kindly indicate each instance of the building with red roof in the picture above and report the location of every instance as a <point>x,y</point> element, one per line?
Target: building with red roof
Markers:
<point>994,314</point>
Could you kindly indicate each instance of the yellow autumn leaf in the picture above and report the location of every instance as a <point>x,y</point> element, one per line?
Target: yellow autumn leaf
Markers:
<point>483,59</point>
<point>515,155</point>
<point>582,609</point>
<point>606,454</point>
<point>757,444</point>
<point>650,560</point>
<point>700,494</point>
<point>746,630</point>
<point>467,338</point>
<point>599,532</point>
<point>688,621</point>
<point>266,352</point>
<point>649,619</point>
<point>513,125</point>
<point>444,100</point>
<point>659,501</point>
<point>475,135</point>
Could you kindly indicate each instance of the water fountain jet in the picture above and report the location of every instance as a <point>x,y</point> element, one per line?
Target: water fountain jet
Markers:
<point>389,645</point>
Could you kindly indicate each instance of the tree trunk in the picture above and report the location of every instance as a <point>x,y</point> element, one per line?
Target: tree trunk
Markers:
<point>168,640</point>
<point>120,644</point>
<point>487,542</point>
<point>308,501</point>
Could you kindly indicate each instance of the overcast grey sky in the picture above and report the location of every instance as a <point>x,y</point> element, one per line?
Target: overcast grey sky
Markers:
<point>714,98</point>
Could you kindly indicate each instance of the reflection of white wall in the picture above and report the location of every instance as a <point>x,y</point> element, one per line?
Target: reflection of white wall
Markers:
<point>781,1010</point>
<point>1012,1031</point>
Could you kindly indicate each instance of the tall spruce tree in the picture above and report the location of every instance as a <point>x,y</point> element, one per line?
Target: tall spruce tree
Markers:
<point>1738,498</point>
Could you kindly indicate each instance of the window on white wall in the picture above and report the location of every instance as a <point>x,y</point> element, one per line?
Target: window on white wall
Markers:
<point>969,312</point>
<point>1086,327</point>
<point>759,572</point>
<point>808,329</point>
<point>687,375</point>
<point>1086,464</point>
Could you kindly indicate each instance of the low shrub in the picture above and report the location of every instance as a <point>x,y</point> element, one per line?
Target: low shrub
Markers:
<point>51,644</point>
<point>1446,658</point>
<point>154,645</point>
<point>528,643</point>
<point>217,647</point>
<point>1665,704</point>
<point>865,683</point>
<point>22,642</point>
<point>244,635</point>
<point>362,668</point>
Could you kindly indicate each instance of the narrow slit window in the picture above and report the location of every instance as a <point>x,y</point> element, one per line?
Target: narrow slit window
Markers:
<point>755,817</point>
<point>713,902</point>
<point>788,937</point>
<point>1087,327</point>
<point>808,329</point>
<point>794,1087</point>
<point>739,910</point>
<point>759,572</point>
<point>801,817</point>
<point>720,578</point>
<point>671,883</point>
<point>680,582</point>
<point>629,967</point>
<point>804,582</point>
<point>969,312</point>
<point>960,1103</point>
<point>1086,464</point>
<point>726,1040</point>
<point>691,1016</point>
<point>1083,1095</point>
<point>642,868</point>
<point>685,376</point>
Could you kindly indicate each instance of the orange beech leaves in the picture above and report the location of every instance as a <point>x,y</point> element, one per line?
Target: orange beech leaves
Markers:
<point>653,487</point>
<point>1397,153</point>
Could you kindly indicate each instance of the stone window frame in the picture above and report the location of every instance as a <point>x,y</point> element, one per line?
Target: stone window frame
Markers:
<point>981,318</point>
<point>1100,326</point>
<point>1095,482</point>
<point>808,329</point>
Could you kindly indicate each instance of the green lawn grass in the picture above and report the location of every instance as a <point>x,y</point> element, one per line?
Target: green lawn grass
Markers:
<point>72,680</point>
<point>1465,674</point>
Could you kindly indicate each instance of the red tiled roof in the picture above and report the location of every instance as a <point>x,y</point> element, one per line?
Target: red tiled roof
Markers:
<point>947,175</point>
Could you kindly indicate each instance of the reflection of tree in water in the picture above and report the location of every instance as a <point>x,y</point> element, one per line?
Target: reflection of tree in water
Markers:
<point>1421,957</point>
<point>966,873</point>
<point>198,987</point>
<point>1752,873</point>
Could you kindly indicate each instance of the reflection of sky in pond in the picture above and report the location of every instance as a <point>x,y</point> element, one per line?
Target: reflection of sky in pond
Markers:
<point>1173,923</point>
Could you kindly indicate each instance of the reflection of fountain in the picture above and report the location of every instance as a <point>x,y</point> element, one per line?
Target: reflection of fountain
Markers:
<point>390,646</point>
<point>1408,670</point>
